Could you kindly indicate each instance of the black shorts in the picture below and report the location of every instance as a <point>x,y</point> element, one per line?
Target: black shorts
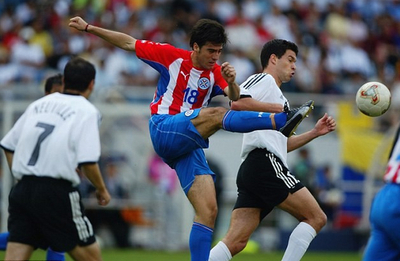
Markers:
<point>46,212</point>
<point>264,182</point>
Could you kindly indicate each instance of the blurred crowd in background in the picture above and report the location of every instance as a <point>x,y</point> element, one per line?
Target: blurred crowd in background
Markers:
<point>343,43</point>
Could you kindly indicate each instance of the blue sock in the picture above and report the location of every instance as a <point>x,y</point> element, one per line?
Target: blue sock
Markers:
<point>247,121</point>
<point>200,242</point>
<point>54,256</point>
<point>3,240</point>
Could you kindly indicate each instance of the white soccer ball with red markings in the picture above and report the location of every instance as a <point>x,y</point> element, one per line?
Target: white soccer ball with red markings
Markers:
<point>373,99</point>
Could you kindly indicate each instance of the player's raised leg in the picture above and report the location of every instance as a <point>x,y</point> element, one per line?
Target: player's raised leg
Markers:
<point>210,120</point>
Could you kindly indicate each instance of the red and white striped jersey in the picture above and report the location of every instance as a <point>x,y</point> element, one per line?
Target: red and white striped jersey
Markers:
<point>392,174</point>
<point>181,86</point>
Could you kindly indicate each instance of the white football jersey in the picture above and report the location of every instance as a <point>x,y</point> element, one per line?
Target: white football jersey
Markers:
<point>53,136</point>
<point>262,87</point>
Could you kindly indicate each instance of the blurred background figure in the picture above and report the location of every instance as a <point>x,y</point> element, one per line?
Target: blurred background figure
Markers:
<point>54,84</point>
<point>327,193</point>
<point>304,168</point>
<point>166,181</point>
<point>111,217</point>
<point>28,57</point>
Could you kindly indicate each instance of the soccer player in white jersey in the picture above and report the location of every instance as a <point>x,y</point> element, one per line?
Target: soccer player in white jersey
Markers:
<point>54,135</point>
<point>384,241</point>
<point>180,122</point>
<point>52,84</point>
<point>264,180</point>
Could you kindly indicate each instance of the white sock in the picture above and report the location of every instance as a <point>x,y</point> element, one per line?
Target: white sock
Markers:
<point>220,253</point>
<point>299,241</point>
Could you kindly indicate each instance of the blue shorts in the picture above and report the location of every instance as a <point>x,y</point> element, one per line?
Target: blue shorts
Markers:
<point>384,242</point>
<point>180,145</point>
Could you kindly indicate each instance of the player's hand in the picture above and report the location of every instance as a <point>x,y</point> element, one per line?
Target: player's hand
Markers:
<point>77,23</point>
<point>325,125</point>
<point>228,72</point>
<point>103,197</point>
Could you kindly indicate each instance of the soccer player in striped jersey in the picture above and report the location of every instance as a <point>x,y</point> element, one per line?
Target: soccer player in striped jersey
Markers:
<point>180,122</point>
<point>384,241</point>
<point>264,180</point>
<point>53,136</point>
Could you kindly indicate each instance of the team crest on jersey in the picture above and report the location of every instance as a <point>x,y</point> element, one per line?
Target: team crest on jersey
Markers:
<point>188,113</point>
<point>203,83</point>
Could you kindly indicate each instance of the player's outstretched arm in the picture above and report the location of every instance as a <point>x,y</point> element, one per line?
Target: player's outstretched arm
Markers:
<point>118,39</point>
<point>324,125</point>
<point>92,172</point>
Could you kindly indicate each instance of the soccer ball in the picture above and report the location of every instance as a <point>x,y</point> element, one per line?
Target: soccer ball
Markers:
<point>373,99</point>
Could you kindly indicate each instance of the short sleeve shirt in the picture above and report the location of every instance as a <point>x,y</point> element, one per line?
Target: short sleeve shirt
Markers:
<point>53,136</point>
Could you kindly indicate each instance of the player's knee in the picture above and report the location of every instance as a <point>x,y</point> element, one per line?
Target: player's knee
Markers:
<point>320,221</point>
<point>88,253</point>
<point>323,219</point>
<point>235,241</point>
<point>216,112</point>
<point>212,211</point>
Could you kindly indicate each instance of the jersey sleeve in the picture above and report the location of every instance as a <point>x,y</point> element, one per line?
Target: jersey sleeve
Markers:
<point>220,83</point>
<point>244,93</point>
<point>88,139</point>
<point>10,140</point>
<point>257,89</point>
<point>160,53</point>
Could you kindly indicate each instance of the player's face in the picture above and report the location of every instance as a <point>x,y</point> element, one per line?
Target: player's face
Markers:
<point>206,56</point>
<point>287,66</point>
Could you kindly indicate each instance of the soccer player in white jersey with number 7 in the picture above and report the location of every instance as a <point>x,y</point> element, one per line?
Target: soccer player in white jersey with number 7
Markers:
<point>53,136</point>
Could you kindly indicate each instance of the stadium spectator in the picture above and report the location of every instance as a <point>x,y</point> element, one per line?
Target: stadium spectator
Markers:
<point>166,182</point>
<point>327,192</point>
<point>111,217</point>
<point>27,57</point>
<point>303,168</point>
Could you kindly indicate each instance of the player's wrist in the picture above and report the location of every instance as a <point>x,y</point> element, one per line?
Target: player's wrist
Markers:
<point>86,27</point>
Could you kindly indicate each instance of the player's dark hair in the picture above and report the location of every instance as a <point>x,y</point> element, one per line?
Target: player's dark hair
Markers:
<point>78,73</point>
<point>207,30</point>
<point>277,47</point>
<point>52,80</point>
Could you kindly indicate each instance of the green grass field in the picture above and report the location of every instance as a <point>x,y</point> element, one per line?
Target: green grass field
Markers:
<point>142,255</point>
